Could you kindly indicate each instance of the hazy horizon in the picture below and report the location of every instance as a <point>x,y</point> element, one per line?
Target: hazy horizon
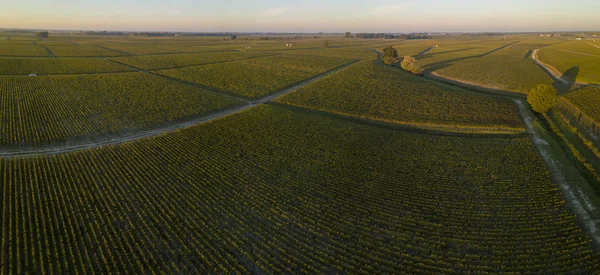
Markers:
<point>309,16</point>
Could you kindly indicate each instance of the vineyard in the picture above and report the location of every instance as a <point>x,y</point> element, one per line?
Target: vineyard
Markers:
<point>510,69</point>
<point>575,60</point>
<point>373,91</point>
<point>447,54</point>
<point>254,78</point>
<point>293,154</point>
<point>255,193</point>
<point>182,60</point>
<point>25,66</point>
<point>10,49</point>
<point>82,51</point>
<point>50,109</point>
<point>587,100</point>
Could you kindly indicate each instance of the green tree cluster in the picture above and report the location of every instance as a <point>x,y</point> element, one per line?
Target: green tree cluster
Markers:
<point>410,64</point>
<point>43,34</point>
<point>542,98</point>
<point>389,55</point>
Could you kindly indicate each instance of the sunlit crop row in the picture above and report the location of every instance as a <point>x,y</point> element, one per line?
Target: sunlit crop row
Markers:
<point>49,109</point>
<point>273,190</point>
<point>375,91</point>
<point>257,77</point>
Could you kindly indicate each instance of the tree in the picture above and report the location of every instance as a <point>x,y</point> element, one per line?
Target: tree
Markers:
<point>43,34</point>
<point>542,98</point>
<point>390,52</point>
<point>233,37</point>
<point>388,60</point>
<point>348,35</point>
<point>410,64</point>
<point>326,44</point>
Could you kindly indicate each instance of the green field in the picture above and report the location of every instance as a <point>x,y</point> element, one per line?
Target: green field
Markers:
<point>181,60</point>
<point>254,78</point>
<point>445,55</point>
<point>27,50</point>
<point>45,66</point>
<point>205,154</point>
<point>50,109</point>
<point>82,51</point>
<point>254,193</point>
<point>510,69</point>
<point>374,91</point>
<point>587,101</point>
<point>575,60</point>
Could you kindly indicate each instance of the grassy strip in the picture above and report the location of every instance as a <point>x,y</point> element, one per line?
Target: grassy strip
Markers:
<point>585,168</point>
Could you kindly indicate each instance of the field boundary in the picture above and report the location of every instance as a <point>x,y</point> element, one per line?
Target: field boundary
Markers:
<point>415,127</point>
<point>118,51</point>
<point>555,73</point>
<point>582,205</point>
<point>471,86</point>
<point>573,112</point>
<point>50,52</point>
<point>75,147</point>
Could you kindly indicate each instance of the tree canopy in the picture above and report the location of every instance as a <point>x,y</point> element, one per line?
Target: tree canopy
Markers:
<point>348,35</point>
<point>542,98</point>
<point>390,52</point>
<point>410,64</point>
<point>43,34</point>
<point>326,44</point>
<point>233,37</point>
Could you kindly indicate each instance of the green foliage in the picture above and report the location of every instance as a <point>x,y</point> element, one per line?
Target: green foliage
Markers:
<point>577,60</point>
<point>254,78</point>
<point>348,35</point>
<point>152,62</point>
<point>22,50</point>
<point>374,91</point>
<point>542,98</point>
<point>326,44</point>
<point>410,64</point>
<point>42,34</point>
<point>389,60</point>
<point>390,52</point>
<point>510,69</point>
<point>77,51</point>
<point>14,66</point>
<point>233,37</point>
<point>229,196</point>
<point>49,109</point>
<point>587,100</point>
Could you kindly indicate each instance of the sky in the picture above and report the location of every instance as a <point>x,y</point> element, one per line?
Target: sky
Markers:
<point>303,16</point>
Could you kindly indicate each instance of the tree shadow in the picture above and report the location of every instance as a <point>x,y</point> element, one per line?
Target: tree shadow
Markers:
<point>570,76</point>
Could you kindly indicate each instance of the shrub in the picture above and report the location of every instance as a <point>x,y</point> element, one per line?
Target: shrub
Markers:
<point>542,98</point>
<point>410,64</point>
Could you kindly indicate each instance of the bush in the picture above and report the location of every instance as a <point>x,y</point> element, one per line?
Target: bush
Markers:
<point>389,60</point>
<point>410,64</point>
<point>390,52</point>
<point>542,98</point>
<point>43,34</point>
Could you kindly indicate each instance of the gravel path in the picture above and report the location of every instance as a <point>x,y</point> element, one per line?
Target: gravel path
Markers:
<point>579,202</point>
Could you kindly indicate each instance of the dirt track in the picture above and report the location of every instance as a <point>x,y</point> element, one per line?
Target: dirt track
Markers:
<point>66,148</point>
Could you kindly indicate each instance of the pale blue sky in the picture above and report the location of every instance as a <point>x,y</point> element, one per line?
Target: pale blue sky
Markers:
<point>303,16</point>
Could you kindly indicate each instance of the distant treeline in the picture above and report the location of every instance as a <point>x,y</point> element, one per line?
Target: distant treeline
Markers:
<point>484,34</point>
<point>392,36</point>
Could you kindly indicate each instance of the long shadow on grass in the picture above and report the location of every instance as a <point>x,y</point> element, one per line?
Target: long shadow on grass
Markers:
<point>571,76</point>
<point>442,64</point>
